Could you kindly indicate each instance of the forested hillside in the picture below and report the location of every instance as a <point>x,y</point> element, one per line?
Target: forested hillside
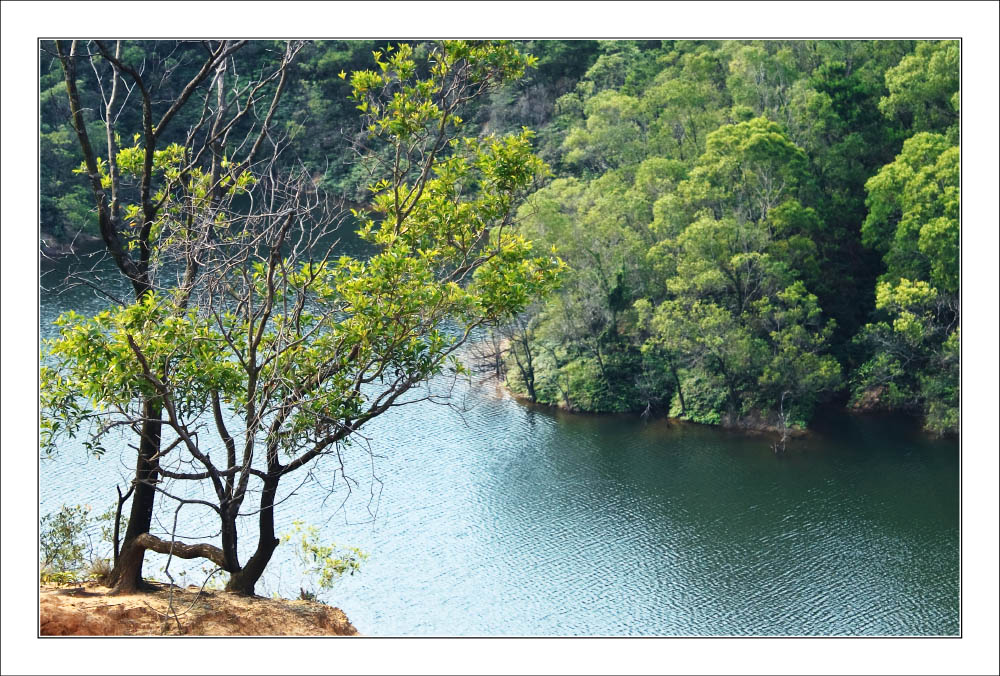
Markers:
<point>318,122</point>
<point>751,228</point>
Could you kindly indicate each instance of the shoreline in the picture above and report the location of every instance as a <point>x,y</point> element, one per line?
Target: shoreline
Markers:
<point>750,426</point>
<point>51,246</point>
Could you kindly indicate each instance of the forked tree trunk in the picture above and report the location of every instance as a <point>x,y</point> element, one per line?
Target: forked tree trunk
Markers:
<point>230,536</point>
<point>245,580</point>
<point>126,577</point>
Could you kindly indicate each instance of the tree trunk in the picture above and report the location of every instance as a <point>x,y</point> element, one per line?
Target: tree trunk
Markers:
<point>230,536</point>
<point>126,577</point>
<point>245,580</point>
<point>680,390</point>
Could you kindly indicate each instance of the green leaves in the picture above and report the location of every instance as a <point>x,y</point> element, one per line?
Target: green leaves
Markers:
<point>613,135</point>
<point>913,220</point>
<point>449,225</point>
<point>739,317</point>
<point>64,543</point>
<point>109,361</point>
<point>914,362</point>
<point>750,168</point>
<point>325,563</point>
<point>923,88</point>
<point>913,212</point>
<point>398,105</point>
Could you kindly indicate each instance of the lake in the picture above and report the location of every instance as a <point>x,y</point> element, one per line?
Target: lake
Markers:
<point>491,518</point>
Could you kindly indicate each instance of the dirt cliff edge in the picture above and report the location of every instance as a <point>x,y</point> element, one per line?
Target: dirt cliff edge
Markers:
<point>88,610</point>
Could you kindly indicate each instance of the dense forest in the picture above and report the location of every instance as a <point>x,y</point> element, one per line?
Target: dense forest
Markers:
<point>751,228</point>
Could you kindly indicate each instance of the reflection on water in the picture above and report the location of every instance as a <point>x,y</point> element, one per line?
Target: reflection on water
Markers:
<point>508,520</point>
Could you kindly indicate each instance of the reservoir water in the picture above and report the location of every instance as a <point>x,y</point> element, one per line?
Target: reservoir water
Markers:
<point>490,518</point>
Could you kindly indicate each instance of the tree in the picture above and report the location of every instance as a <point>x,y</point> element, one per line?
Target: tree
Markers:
<point>613,136</point>
<point>760,76</point>
<point>798,372</point>
<point>598,227</point>
<point>159,200</point>
<point>739,332</point>
<point>913,212</point>
<point>835,118</point>
<point>284,348</point>
<point>913,222</point>
<point>718,352</point>
<point>738,221</point>
<point>914,348</point>
<point>923,89</point>
<point>683,112</point>
<point>518,336</point>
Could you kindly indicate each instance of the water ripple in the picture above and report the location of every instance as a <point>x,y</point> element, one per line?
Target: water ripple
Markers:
<point>505,520</point>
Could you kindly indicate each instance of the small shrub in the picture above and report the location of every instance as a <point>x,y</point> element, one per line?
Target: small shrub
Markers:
<point>63,541</point>
<point>67,553</point>
<point>99,570</point>
<point>50,576</point>
<point>323,562</point>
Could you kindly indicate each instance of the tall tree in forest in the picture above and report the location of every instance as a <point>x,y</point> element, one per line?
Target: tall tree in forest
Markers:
<point>913,221</point>
<point>739,317</point>
<point>912,347</point>
<point>923,89</point>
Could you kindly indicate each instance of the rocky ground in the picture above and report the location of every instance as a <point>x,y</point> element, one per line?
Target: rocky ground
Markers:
<point>88,610</point>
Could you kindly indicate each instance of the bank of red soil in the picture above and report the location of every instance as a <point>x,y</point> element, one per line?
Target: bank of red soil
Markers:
<point>89,610</point>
